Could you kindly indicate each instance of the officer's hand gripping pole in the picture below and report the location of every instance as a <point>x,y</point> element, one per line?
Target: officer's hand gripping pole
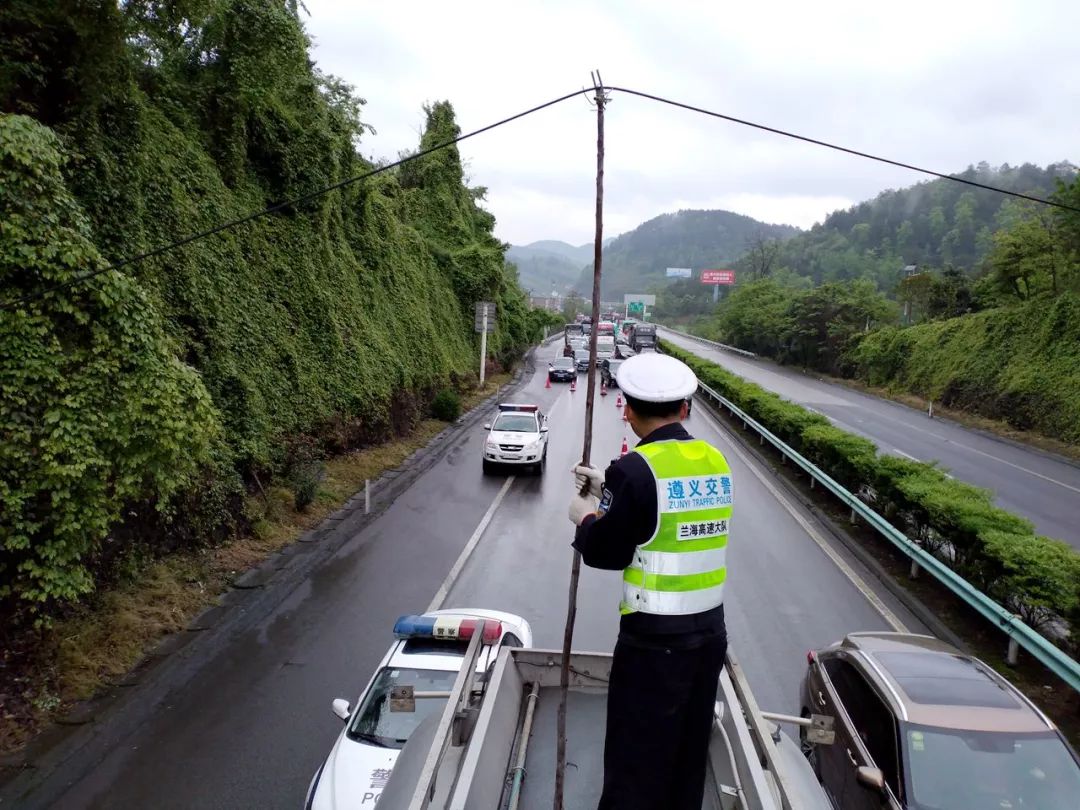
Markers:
<point>586,452</point>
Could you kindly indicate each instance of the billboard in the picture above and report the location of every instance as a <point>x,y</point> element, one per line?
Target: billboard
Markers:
<point>679,272</point>
<point>717,276</point>
<point>638,298</point>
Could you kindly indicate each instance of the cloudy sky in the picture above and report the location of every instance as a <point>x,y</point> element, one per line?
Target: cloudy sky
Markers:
<point>941,84</point>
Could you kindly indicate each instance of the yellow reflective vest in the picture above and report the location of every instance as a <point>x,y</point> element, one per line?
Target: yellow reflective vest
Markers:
<point>682,568</point>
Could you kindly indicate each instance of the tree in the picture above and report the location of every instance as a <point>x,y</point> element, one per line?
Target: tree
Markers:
<point>761,254</point>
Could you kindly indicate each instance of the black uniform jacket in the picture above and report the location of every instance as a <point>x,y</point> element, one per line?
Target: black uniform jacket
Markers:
<point>627,519</point>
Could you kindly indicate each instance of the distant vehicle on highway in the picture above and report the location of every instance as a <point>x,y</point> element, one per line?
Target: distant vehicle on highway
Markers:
<point>919,724</point>
<point>608,370</point>
<point>605,347</point>
<point>574,344</point>
<point>643,336</point>
<point>427,654</point>
<point>562,370</point>
<point>574,328</point>
<point>581,359</point>
<point>519,436</point>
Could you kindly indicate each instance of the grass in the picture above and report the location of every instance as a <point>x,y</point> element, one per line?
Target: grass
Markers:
<point>99,642</point>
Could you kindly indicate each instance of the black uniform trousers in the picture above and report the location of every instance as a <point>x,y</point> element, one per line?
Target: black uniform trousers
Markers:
<point>659,718</point>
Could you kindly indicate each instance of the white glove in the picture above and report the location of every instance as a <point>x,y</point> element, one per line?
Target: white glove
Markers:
<point>581,506</point>
<point>589,474</point>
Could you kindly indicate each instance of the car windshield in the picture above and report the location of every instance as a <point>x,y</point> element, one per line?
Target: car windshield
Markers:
<point>972,770</point>
<point>563,362</point>
<point>374,723</point>
<point>516,422</point>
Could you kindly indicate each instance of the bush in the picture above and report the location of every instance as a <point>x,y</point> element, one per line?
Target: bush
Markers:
<point>1035,577</point>
<point>446,405</point>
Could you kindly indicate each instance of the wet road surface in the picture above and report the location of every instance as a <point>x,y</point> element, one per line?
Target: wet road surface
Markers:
<point>250,729</point>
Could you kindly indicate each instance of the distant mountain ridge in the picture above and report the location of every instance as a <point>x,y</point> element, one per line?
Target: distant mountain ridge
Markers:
<point>698,239</point>
<point>930,224</point>
<point>549,263</point>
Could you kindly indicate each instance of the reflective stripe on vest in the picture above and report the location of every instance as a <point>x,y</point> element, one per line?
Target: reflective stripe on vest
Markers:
<point>682,568</point>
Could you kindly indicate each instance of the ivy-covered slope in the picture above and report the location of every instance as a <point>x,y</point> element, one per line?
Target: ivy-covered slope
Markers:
<point>1020,364</point>
<point>327,324</point>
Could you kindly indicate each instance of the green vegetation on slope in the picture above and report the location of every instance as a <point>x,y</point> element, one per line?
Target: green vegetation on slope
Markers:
<point>635,261</point>
<point>1021,364</point>
<point>1003,344</point>
<point>137,407</point>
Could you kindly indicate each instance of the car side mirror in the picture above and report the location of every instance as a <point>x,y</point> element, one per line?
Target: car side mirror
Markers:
<point>340,707</point>
<point>870,778</point>
<point>544,429</point>
<point>487,425</point>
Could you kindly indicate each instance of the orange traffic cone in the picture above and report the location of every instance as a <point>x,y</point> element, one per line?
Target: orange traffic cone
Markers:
<point>618,402</point>
<point>603,389</point>
<point>548,383</point>
<point>573,384</point>
<point>625,449</point>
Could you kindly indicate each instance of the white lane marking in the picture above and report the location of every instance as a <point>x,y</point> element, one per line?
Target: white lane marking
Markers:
<point>898,451</point>
<point>940,438</point>
<point>463,557</point>
<point>1018,467</point>
<point>890,618</point>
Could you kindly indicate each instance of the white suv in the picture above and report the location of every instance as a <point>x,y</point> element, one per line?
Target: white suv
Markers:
<point>518,436</point>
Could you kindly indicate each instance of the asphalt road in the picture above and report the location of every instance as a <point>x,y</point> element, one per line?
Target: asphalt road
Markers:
<point>1040,486</point>
<point>251,728</point>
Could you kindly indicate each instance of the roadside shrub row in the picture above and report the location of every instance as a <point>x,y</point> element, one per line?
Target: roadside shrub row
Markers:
<point>1036,577</point>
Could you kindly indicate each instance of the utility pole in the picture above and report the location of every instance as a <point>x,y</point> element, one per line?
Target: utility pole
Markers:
<point>575,569</point>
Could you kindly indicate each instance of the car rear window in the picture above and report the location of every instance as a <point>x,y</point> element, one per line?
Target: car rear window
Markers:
<point>945,680</point>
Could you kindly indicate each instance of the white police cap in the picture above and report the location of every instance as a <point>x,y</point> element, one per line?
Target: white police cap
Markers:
<point>655,377</point>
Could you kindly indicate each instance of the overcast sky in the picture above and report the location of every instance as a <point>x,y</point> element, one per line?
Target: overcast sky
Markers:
<point>942,84</point>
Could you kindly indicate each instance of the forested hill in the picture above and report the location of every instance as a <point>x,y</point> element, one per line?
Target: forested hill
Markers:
<point>141,405</point>
<point>636,261</point>
<point>549,264</point>
<point>932,224</point>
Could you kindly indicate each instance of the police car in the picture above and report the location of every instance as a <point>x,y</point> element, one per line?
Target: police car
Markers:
<point>427,655</point>
<point>518,436</point>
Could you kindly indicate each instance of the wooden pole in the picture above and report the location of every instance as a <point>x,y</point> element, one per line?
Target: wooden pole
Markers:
<point>586,451</point>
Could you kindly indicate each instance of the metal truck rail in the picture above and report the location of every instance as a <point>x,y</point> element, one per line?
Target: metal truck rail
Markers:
<point>493,746</point>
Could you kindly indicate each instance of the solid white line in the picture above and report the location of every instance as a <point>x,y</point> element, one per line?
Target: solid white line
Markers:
<point>905,455</point>
<point>890,618</point>
<point>960,445</point>
<point>463,557</point>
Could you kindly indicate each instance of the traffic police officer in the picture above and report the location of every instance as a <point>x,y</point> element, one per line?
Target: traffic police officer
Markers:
<point>660,514</point>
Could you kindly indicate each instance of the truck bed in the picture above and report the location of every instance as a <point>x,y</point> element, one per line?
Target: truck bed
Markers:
<point>467,760</point>
<point>585,713</point>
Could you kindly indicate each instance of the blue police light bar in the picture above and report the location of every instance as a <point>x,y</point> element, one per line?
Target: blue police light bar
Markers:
<point>507,406</point>
<point>446,627</point>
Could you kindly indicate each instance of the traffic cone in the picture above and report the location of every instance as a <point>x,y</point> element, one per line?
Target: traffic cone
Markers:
<point>618,402</point>
<point>625,449</point>
<point>548,383</point>
<point>603,389</point>
<point>573,383</point>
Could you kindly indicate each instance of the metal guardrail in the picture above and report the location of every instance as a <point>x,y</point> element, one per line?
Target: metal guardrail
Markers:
<point>1018,633</point>
<point>700,339</point>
